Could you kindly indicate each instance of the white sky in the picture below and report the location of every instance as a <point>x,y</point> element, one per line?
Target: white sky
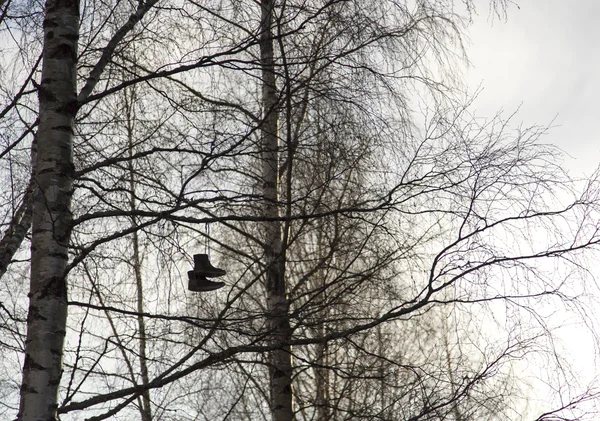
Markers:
<point>545,57</point>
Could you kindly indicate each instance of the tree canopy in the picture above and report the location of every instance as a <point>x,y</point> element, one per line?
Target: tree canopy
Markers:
<point>389,255</point>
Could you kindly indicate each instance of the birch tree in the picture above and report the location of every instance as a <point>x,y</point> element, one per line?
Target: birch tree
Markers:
<point>51,221</point>
<point>282,137</point>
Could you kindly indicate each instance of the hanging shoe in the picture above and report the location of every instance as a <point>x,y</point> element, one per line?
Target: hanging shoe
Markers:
<point>202,267</point>
<point>201,284</point>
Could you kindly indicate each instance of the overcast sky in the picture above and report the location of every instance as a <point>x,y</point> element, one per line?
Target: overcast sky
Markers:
<point>545,57</point>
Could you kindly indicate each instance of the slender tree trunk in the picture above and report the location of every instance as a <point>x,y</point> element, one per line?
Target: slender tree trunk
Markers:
<point>277,303</point>
<point>51,223</point>
<point>145,407</point>
<point>14,235</point>
<point>21,222</point>
<point>322,381</point>
<point>382,371</point>
<point>455,407</point>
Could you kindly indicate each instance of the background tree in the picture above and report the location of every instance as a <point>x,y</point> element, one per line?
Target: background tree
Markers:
<point>287,135</point>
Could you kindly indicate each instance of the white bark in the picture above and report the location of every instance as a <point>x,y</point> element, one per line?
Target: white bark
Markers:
<point>280,367</point>
<point>51,223</point>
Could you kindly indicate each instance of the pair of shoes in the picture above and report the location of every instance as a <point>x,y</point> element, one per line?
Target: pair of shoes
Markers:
<point>201,284</point>
<point>203,269</point>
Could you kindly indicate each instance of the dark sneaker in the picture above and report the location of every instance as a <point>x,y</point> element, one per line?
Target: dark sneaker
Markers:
<point>203,268</point>
<point>201,284</point>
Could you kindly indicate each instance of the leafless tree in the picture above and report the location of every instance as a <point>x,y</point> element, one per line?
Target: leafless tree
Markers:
<point>284,139</point>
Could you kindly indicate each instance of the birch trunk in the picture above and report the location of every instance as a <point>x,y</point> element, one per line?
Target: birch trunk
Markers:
<point>51,221</point>
<point>322,381</point>
<point>15,234</point>
<point>145,404</point>
<point>280,364</point>
<point>455,406</point>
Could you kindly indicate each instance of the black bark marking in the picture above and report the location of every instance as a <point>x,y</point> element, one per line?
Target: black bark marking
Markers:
<point>30,364</point>
<point>71,37</point>
<point>34,314</point>
<point>71,108</point>
<point>62,51</point>
<point>62,5</point>
<point>45,95</point>
<point>66,129</point>
<point>27,389</point>
<point>55,287</point>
